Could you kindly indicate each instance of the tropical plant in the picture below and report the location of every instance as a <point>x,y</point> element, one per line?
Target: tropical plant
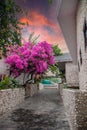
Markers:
<point>4,83</point>
<point>33,38</point>
<point>8,82</point>
<point>56,50</point>
<point>9,24</point>
<point>54,69</point>
<point>14,83</point>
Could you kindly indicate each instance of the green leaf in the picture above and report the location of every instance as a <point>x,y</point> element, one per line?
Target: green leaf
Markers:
<point>9,23</point>
<point>56,50</point>
<point>33,38</point>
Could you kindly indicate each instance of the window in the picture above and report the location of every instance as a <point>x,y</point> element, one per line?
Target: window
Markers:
<point>85,33</point>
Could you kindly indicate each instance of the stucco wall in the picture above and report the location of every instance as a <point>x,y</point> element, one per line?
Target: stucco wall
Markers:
<point>3,66</point>
<point>75,102</point>
<point>72,75</point>
<point>81,14</point>
<point>10,98</point>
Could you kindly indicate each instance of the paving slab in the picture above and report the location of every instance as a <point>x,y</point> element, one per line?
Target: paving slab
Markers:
<point>44,111</point>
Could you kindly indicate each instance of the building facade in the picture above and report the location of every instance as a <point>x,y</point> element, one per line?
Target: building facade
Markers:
<point>72,18</point>
<point>82,43</point>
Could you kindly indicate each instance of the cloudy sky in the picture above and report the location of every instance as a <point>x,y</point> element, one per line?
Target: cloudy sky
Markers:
<point>42,19</point>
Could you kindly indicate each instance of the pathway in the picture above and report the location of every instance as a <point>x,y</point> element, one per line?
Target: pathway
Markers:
<point>44,111</point>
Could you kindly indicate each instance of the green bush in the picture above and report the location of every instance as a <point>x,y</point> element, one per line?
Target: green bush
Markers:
<point>9,24</point>
<point>7,83</point>
<point>56,50</point>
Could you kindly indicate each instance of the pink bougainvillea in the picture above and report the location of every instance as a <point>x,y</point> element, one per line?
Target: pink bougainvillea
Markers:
<point>30,58</point>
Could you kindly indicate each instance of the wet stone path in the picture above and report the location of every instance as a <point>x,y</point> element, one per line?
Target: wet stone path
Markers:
<point>44,111</point>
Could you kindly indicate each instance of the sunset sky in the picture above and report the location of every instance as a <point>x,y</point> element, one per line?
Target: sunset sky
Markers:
<point>42,19</point>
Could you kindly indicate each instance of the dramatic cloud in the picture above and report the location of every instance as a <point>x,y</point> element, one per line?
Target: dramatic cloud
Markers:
<point>37,19</point>
<point>45,24</point>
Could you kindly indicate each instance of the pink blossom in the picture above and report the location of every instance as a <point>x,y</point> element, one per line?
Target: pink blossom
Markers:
<point>19,64</point>
<point>30,58</point>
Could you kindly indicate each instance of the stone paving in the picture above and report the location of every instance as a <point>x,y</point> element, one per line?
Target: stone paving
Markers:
<point>44,111</point>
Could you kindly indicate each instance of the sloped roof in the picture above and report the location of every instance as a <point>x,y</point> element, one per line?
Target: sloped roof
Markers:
<point>66,57</point>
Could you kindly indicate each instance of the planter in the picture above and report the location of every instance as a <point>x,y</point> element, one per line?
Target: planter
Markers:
<point>9,98</point>
<point>31,90</point>
<point>61,86</point>
<point>75,103</point>
<point>41,86</point>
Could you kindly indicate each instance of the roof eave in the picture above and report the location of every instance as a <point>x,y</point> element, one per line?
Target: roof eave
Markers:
<point>67,22</point>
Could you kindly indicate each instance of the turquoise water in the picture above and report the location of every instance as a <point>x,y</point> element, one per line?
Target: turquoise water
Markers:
<point>45,81</point>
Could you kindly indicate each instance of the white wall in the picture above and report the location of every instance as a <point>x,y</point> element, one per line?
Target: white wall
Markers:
<point>3,67</point>
<point>81,14</point>
<point>72,75</point>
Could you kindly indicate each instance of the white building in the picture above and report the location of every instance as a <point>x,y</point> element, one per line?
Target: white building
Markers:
<point>72,18</point>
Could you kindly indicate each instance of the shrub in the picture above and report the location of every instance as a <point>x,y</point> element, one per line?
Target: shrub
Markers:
<point>9,24</point>
<point>8,82</point>
<point>30,59</point>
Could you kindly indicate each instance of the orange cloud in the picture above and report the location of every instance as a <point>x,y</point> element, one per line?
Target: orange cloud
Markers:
<point>38,24</point>
<point>46,36</point>
<point>37,19</point>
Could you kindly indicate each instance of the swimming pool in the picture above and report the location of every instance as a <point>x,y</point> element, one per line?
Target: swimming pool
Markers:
<point>46,81</point>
